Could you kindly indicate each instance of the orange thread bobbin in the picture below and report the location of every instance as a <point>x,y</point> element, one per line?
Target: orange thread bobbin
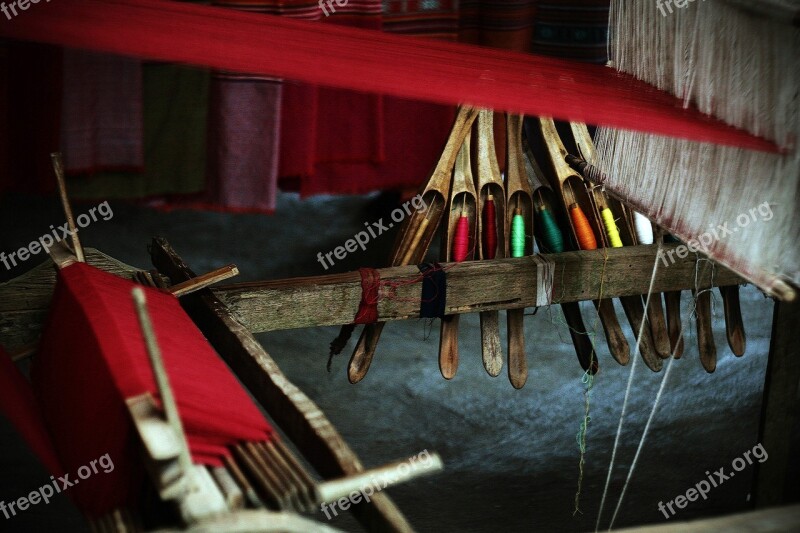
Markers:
<point>583,230</point>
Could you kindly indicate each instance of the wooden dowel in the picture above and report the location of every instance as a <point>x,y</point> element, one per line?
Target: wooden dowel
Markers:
<point>233,494</point>
<point>58,167</point>
<point>205,280</point>
<point>385,476</point>
<point>162,380</point>
<point>247,489</point>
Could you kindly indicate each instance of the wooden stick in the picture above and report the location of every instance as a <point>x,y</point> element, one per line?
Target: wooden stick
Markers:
<point>463,189</point>
<point>672,302</point>
<point>241,480</point>
<point>490,187</point>
<point>307,426</point>
<point>160,373</point>
<point>413,240</point>
<point>58,167</point>
<point>518,190</point>
<point>205,280</point>
<point>705,332</point>
<point>734,326</point>
<point>385,476</point>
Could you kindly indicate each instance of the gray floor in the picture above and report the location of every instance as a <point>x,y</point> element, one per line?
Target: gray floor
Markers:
<point>511,457</point>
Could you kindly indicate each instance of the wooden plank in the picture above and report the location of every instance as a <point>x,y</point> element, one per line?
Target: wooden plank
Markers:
<point>294,412</point>
<point>333,300</point>
<point>24,301</point>
<point>473,286</point>
<point>779,408</point>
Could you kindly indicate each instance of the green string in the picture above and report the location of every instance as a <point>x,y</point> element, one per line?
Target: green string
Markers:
<point>517,236</point>
<point>548,232</point>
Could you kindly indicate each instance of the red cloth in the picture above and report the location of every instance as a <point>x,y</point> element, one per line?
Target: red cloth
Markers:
<point>371,61</point>
<point>93,357</point>
<point>19,405</point>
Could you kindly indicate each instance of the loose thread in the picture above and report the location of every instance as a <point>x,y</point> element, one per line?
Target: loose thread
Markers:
<point>625,400</point>
<point>588,380</point>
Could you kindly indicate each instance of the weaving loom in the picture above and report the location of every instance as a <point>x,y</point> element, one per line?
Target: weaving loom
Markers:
<point>570,218</point>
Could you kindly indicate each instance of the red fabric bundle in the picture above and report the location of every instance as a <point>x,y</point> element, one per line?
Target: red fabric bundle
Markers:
<point>93,357</point>
<point>19,405</point>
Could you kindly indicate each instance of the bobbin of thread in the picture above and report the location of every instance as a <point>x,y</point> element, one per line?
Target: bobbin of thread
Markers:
<point>517,235</point>
<point>461,239</point>
<point>489,229</point>
<point>549,233</point>
<point>643,227</point>
<point>583,231</point>
<point>611,228</point>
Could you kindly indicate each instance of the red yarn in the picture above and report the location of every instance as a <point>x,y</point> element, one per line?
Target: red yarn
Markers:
<point>461,240</point>
<point>92,357</point>
<point>368,307</point>
<point>370,61</point>
<point>489,230</point>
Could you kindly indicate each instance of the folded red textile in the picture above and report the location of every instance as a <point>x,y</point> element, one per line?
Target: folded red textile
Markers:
<point>19,405</point>
<point>93,357</point>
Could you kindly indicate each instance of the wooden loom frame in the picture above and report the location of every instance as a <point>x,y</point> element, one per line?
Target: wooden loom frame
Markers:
<point>228,317</point>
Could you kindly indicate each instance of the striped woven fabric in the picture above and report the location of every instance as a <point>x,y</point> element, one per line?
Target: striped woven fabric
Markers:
<point>573,29</point>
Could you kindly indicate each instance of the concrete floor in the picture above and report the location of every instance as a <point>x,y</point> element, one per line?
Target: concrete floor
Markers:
<point>511,456</point>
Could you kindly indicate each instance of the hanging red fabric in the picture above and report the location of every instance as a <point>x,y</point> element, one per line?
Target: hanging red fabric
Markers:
<point>371,61</point>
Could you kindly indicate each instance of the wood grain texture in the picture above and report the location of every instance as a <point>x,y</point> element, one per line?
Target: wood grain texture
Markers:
<point>292,410</point>
<point>490,184</point>
<point>473,286</point>
<point>734,325</point>
<point>705,333</point>
<point>333,300</point>
<point>672,302</point>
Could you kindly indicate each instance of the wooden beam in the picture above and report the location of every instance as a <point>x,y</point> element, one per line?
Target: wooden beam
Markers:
<point>333,300</point>
<point>779,408</point>
<point>25,300</point>
<point>295,413</point>
<point>473,286</point>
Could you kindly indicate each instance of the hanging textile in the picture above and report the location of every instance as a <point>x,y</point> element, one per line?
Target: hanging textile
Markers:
<point>175,102</point>
<point>101,112</point>
<point>573,29</point>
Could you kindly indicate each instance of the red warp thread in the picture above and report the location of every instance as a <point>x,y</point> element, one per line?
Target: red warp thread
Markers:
<point>461,240</point>
<point>368,307</point>
<point>371,61</point>
<point>489,230</point>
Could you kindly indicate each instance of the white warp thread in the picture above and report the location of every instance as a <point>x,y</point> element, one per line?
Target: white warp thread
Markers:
<point>742,69</point>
